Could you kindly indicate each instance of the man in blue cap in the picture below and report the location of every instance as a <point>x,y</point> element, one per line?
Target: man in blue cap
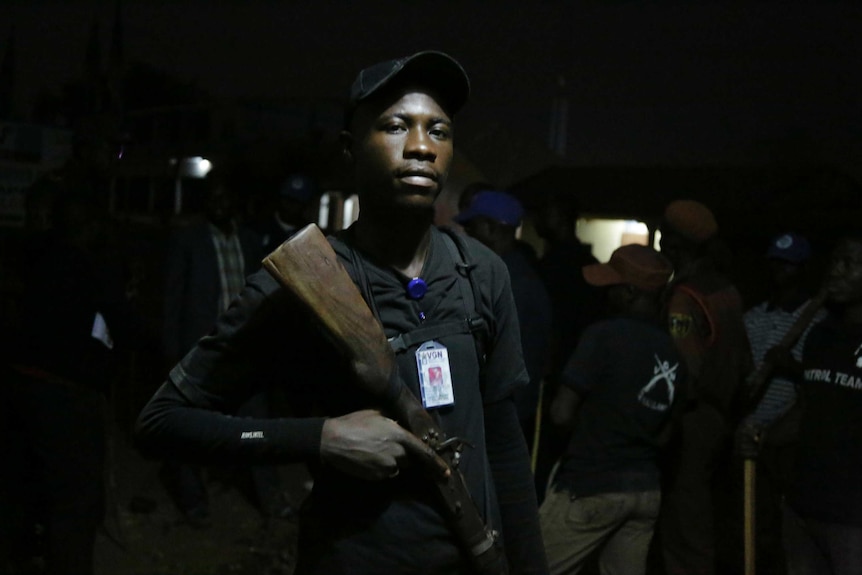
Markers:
<point>370,510</point>
<point>296,207</point>
<point>493,217</point>
<point>766,324</point>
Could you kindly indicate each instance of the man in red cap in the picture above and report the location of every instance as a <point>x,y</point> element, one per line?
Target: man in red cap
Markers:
<point>616,397</point>
<point>704,316</point>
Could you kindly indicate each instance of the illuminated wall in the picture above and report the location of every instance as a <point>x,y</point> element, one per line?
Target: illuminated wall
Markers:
<point>607,235</point>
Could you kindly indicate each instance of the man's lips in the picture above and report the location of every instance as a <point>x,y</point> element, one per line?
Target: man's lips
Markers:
<point>423,178</point>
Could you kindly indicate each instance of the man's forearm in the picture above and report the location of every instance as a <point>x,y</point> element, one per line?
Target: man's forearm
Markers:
<point>172,427</point>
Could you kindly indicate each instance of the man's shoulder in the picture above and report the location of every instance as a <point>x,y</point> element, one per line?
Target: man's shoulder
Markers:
<point>477,254</point>
<point>262,281</point>
<point>341,243</point>
<point>757,311</point>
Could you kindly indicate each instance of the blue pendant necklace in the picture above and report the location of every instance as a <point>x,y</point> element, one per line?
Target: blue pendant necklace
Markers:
<point>416,290</point>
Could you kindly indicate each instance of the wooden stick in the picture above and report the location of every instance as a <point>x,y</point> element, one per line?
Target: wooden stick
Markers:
<point>750,515</point>
<point>537,430</point>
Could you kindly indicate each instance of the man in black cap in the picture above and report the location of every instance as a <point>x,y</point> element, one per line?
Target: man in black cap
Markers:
<point>370,511</point>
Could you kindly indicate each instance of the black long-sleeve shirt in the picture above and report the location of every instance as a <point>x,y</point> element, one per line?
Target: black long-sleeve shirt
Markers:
<point>349,524</point>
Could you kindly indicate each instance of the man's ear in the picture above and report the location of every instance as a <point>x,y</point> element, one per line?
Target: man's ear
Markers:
<point>346,140</point>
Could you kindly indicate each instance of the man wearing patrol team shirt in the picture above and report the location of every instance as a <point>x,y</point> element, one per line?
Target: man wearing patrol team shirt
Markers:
<point>823,511</point>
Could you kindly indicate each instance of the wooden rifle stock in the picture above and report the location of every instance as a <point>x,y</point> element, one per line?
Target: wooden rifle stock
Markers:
<point>308,267</point>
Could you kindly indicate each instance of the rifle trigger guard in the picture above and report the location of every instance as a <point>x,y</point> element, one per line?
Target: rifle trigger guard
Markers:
<point>454,443</point>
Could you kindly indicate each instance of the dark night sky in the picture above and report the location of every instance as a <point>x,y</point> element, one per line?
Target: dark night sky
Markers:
<point>679,83</point>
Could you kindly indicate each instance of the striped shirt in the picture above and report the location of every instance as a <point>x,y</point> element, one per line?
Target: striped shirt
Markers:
<point>765,329</point>
<point>231,264</point>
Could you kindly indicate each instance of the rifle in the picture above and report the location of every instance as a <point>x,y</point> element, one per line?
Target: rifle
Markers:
<point>756,389</point>
<point>307,266</point>
<point>758,379</point>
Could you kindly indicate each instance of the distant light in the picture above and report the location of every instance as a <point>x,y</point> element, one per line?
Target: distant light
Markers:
<point>194,167</point>
<point>323,211</point>
<point>204,166</point>
<point>351,211</point>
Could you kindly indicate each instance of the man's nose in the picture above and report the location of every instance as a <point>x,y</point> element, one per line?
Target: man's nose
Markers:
<point>419,144</point>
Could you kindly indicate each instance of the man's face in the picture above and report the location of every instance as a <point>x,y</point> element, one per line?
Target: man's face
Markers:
<point>483,229</point>
<point>844,279</point>
<point>784,274</point>
<point>672,246</point>
<point>219,205</point>
<point>618,297</point>
<point>402,149</point>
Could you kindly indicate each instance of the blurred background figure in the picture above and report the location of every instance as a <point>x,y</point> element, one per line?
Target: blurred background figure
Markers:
<point>76,319</point>
<point>823,511</point>
<point>297,206</point>
<point>615,402</point>
<point>205,269</point>
<point>574,304</point>
<point>206,265</point>
<point>704,315</point>
<point>493,217</point>
<point>766,324</point>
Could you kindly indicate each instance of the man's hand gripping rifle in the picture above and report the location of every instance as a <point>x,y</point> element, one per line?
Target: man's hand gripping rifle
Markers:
<point>307,266</point>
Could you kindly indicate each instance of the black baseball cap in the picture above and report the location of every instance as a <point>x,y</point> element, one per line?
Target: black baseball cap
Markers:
<point>433,69</point>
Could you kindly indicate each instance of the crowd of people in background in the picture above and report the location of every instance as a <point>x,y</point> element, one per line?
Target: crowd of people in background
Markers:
<point>659,425</point>
<point>641,405</point>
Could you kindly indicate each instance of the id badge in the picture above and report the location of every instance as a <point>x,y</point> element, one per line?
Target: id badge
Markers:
<point>435,377</point>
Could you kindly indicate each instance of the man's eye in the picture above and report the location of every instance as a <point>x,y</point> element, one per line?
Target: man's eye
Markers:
<point>394,128</point>
<point>441,133</point>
